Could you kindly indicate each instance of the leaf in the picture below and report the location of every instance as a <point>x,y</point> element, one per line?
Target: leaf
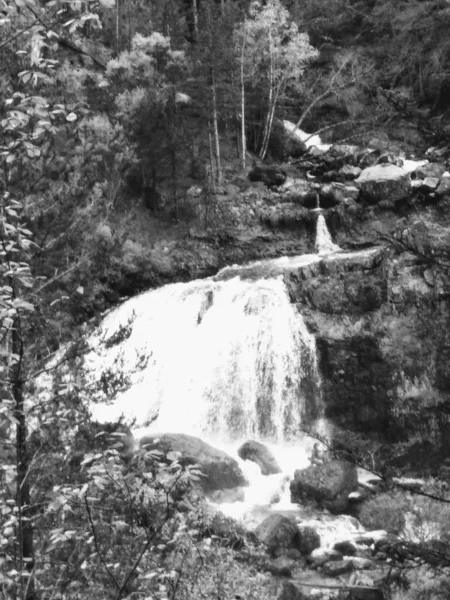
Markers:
<point>71,117</point>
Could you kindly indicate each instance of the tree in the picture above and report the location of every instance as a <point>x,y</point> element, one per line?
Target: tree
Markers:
<point>276,55</point>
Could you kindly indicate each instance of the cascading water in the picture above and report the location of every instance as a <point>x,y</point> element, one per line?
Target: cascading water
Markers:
<point>226,360</point>
<point>324,243</point>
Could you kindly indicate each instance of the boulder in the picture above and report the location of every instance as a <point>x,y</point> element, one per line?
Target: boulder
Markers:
<point>339,567</point>
<point>346,547</point>
<point>269,175</point>
<point>383,182</point>
<point>261,455</point>
<point>430,170</point>
<point>327,485</point>
<point>320,556</point>
<point>220,471</point>
<point>430,184</point>
<point>350,172</point>
<point>444,187</point>
<point>278,533</point>
<point>309,539</point>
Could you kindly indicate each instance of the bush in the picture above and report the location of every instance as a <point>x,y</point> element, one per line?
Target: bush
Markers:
<point>386,511</point>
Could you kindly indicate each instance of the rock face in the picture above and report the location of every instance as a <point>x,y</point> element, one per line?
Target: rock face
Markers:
<point>261,455</point>
<point>383,182</point>
<point>279,534</point>
<point>220,470</point>
<point>328,485</point>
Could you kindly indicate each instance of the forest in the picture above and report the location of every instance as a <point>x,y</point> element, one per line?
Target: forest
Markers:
<point>123,126</point>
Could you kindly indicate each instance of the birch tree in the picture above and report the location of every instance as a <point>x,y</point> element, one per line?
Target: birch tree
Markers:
<point>274,54</point>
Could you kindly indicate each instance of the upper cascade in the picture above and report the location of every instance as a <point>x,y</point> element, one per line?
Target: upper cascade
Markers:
<point>324,243</point>
<point>226,360</point>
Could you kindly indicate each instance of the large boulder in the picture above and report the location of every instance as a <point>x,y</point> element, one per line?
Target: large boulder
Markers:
<point>327,485</point>
<point>384,182</point>
<point>278,534</point>
<point>220,471</point>
<point>430,170</point>
<point>269,175</point>
<point>261,455</point>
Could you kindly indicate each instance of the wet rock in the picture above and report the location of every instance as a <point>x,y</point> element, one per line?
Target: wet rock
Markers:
<point>430,170</point>
<point>281,566</point>
<point>270,175</point>
<point>290,591</point>
<point>363,539</point>
<point>383,182</point>
<point>346,548</point>
<point>309,539</point>
<point>278,533</point>
<point>261,455</point>
<point>327,485</point>
<point>336,568</point>
<point>360,563</point>
<point>444,187</point>
<point>430,184</point>
<point>322,555</point>
<point>350,172</point>
<point>220,471</point>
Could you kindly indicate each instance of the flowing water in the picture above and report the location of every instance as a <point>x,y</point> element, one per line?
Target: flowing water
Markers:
<point>226,359</point>
<point>324,243</point>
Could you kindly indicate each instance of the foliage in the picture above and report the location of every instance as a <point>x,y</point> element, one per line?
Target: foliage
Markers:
<point>385,511</point>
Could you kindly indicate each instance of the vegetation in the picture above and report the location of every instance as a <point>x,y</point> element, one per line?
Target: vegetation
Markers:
<point>110,112</point>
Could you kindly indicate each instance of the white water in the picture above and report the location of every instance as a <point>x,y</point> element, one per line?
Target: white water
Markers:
<point>227,359</point>
<point>324,243</point>
<point>224,360</point>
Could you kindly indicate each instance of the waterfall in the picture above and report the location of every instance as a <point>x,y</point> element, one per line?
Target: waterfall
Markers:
<point>223,359</point>
<point>324,243</point>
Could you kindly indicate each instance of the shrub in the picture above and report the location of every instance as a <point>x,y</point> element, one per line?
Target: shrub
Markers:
<point>386,511</point>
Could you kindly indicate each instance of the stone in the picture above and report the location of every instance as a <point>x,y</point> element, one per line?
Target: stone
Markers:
<point>320,556</point>
<point>278,534</point>
<point>360,563</point>
<point>261,455</point>
<point>270,175</point>
<point>281,566</point>
<point>339,567</point>
<point>335,193</point>
<point>430,170</point>
<point>444,187</point>
<point>291,591</point>
<point>327,485</point>
<point>430,184</point>
<point>364,539</point>
<point>350,172</point>
<point>221,472</point>
<point>346,547</point>
<point>309,539</point>
<point>383,182</point>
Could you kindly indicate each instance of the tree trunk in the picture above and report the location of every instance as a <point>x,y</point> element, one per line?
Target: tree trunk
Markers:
<point>195,18</point>
<point>270,119</point>
<point>118,27</point>
<point>214,112</point>
<point>243,136</point>
<point>25,535</point>
<point>216,129</point>
<point>262,151</point>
